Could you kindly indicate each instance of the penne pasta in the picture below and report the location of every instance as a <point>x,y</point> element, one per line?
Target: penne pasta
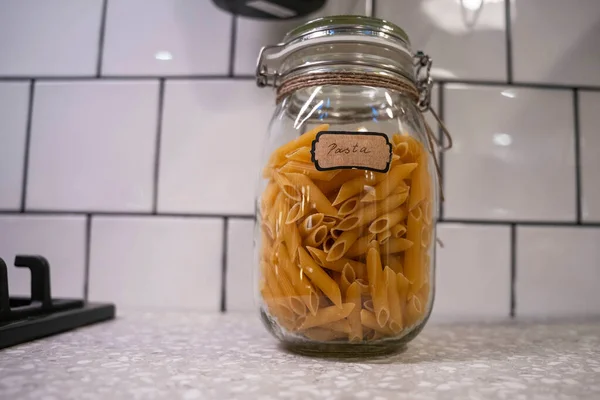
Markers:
<point>287,187</point>
<point>368,305</point>
<point>373,210</point>
<point>319,278</point>
<point>342,244</point>
<point>311,193</point>
<point>323,335</point>
<point>268,197</point>
<point>326,315</point>
<point>297,212</point>
<point>377,286</point>
<point>302,154</point>
<point>413,268</point>
<point>302,285</point>
<point>310,223</point>
<point>364,286</point>
<point>395,322</point>
<point>393,261</point>
<point>288,292</point>
<point>353,296</point>
<point>369,320</point>
<point>398,230</point>
<point>347,277</point>
<point>349,206</point>
<point>330,221</point>
<point>320,258</point>
<point>384,236</point>
<point>414,310</point>
<point>384,188</point>
<point>316,237</point>
<point>304,140</point>
<point>292,239</point>
<point>388,220</point>
<point>420,183</point>
<point>307,169</point>
<point>403,285</point>
<point>342,326</point>
<point>329,241</point>
<point>355,186</point>
<point>396,245</point>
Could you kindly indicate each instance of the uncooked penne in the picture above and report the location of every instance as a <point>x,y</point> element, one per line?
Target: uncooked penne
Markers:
<point>319,278</point>
<point>378,289</point>
<point>394,245</point>
<point>393,261</point>
<point>287,187</point>
<point>349,206</point>
<point>414,310</point>
<point>292,239</point>
<point>302,154</point>
<point>301,283</point>
<point>308,169</point>
<point>323,335</point>
<point>326,315</point>
<point>342,244</point>
<point>367,214</point>
<point>353,296</point>
<point>304,185</point>
<point>320,258</point>
<point>316,237</point>
<point>388,220</point>
<point>310,223</point>
<point>395,322</point>
<point>420,183</point>
<point>413,268</point>
<point>369,320</point>
<point>356,186</point>
<point>304,140</point>
<point>297,212</point>
<point>360,246</point>
<point>392,180</point>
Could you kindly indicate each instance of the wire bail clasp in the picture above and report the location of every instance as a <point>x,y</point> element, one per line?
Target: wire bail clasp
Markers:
<point>424,82</point>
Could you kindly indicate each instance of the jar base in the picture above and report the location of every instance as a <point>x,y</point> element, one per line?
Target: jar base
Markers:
<point>343,350</point>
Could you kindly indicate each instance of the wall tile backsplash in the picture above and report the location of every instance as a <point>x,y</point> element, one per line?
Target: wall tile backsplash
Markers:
<point>131,135</point>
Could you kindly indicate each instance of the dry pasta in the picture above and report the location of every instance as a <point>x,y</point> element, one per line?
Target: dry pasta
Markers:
<point>345,254</point>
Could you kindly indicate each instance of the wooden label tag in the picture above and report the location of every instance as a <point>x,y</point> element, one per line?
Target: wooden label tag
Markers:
<point>345,150</point>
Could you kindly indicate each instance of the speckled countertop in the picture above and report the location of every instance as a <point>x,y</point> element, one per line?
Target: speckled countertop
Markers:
<point>196,356</point>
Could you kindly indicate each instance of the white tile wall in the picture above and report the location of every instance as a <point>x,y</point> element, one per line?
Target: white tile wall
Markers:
<point>43,38</point>
<point>240,265</point>
<point>60,239</point>
<point>157,262</point>
<point>92,146</point>
<point>513,155</point>
<point>166,37</point>
<point>212,131</point>
<point>589,113</point>
<point>558,271</point>
<point>562,46</point>
<point>464,43</point>
<point>473,272</point>
<point>14,98</point>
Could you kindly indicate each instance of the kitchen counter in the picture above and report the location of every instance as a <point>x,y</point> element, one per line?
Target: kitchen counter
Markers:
<point>198,356</point>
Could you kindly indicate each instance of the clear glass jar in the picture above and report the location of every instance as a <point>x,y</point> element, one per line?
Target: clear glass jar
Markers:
<point>348,195</point>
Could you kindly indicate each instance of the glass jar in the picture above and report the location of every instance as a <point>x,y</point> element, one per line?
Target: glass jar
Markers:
<point>348,193</point>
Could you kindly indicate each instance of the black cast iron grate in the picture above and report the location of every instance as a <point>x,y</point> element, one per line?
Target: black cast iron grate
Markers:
<point>23,319</point>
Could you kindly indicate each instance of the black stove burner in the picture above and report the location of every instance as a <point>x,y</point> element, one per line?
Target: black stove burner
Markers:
<point>24,319</point>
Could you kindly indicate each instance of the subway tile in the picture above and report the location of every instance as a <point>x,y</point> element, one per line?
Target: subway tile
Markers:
<point>241,266</point>
<point>43,38</point>
<point>252,34</point>
<point>473,272</point>
<point>160,262</point>
<point>14,105</point>
<point>513,155</point>
<point>60,239</point>
<point>464,41</point>
<point>589,124</point>
<point>210,153</point>
<point>557,272</point>
<point>560,48</point>
<point>92,146</point>
<point>166,37</point>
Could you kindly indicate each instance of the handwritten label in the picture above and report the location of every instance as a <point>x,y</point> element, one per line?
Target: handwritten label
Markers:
<point>345,150</point>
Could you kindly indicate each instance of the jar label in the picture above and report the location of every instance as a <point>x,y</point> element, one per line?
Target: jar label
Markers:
<point>345,150</point>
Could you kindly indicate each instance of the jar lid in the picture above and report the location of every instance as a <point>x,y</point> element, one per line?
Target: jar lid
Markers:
<point>356,22</point>
<point>336,43</point>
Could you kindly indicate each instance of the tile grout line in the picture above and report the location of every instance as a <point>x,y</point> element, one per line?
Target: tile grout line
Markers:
<point>101,38</point>
<point>224,264</point>
<point>157,146</point>
<point>508,35</point>
<point>577,149</point>
<point>232,44</point>
<point>28,128</point>
<point>513,269</point>
<point>441,90</point>
<point>88,241</point>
